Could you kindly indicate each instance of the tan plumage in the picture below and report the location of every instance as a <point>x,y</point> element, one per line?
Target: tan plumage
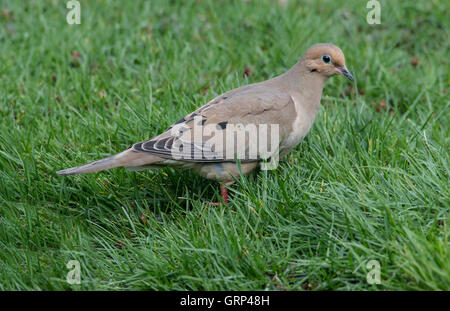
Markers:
<point>290,100</point>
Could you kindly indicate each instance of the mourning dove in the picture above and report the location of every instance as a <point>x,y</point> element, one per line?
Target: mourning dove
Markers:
<point>276,113</point>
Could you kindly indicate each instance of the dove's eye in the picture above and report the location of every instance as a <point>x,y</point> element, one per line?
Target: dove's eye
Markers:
<point>326,58</point>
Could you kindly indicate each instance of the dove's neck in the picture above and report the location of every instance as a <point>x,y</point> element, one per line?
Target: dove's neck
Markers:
<point>305,85</point>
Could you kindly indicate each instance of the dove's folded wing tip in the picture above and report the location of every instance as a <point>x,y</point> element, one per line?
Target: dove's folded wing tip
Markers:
<point>60,173</point>
<point>65,172</point>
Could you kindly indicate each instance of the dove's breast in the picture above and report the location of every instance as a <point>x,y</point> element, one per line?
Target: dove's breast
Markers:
<point>300,126</point>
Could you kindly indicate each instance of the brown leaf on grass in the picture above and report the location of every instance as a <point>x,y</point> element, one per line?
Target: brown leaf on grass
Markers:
<point>381,106</point>
<point>414,61</point>
<point>247,71</point>
<point>75,59</point>
<point>204,89</point>
<point>7,15</point>
<point>348,90</point>
<point>76,55</point>
<point>143,219</point>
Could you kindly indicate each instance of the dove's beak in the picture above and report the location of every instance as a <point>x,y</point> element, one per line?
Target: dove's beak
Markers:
<point>346,73</point>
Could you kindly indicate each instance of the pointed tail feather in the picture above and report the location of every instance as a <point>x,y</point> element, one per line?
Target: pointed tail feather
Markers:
<point>127,158</point>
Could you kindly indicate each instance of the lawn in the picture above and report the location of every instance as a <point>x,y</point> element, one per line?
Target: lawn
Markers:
<point>369,182</point>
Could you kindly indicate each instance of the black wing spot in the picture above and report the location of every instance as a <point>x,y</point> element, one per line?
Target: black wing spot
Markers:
<point>202,122</point>
<point>137,147</point>
<point>180,121</point>
<point>169,143</point>
<point>222,125</point>
<point>147,146</point>
<point>159,144</point>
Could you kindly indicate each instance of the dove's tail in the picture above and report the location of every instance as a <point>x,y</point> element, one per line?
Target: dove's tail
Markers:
<point>127,158</point>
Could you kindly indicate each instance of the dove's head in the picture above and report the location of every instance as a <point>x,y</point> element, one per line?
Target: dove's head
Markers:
<point>327,60</point>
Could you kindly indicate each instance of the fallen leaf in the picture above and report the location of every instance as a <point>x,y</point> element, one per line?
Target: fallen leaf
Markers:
<point>247,71</point>
<point>76,59</point>
<point>381,106</point>
<point>348,90</point>
<point>7,15</point>
<point>75,55</point>
<point>204,89</point>
<point>143,219</point>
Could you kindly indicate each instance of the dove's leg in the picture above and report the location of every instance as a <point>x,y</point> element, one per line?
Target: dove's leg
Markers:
<point>224,193</point>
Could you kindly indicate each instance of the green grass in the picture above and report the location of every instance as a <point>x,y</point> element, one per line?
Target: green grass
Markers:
<point>370,181</point>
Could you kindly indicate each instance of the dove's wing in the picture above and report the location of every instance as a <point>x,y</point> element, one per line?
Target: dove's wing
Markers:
<point>202,135</point>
